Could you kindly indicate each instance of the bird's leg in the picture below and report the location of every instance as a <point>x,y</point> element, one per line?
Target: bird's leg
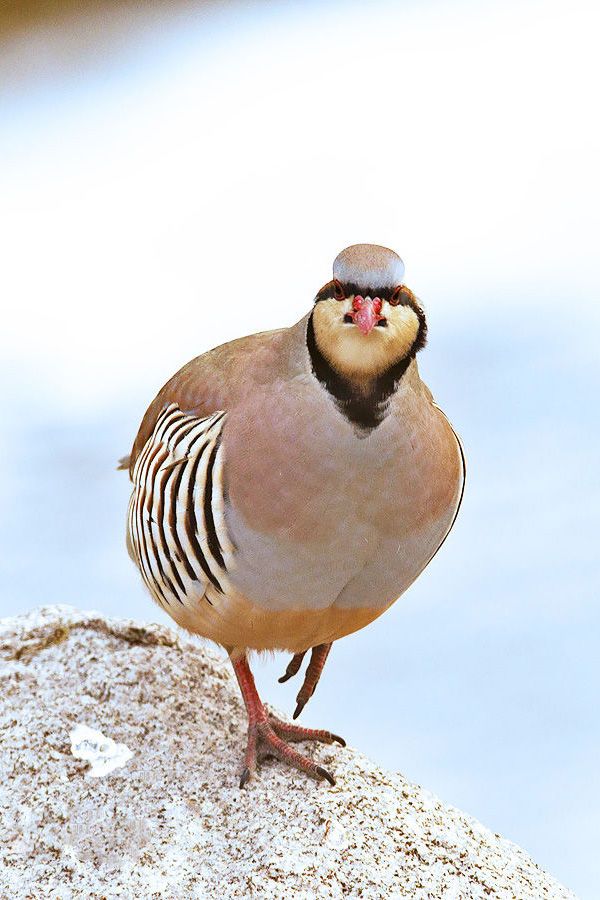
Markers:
<point>269,736</point>
<point>318,658</point>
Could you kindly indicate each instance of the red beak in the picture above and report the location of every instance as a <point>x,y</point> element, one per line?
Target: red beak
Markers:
<point>366,313</point>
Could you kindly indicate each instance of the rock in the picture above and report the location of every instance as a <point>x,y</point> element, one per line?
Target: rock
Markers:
<point>171,821</point>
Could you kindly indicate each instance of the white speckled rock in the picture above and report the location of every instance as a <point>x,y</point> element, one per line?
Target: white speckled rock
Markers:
<point>171,821</point>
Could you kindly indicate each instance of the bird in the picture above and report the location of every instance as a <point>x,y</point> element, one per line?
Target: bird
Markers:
<point>289,486</point>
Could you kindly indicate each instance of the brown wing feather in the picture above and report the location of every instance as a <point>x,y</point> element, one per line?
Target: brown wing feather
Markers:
<point>185,388</point>
<point>210,382</point>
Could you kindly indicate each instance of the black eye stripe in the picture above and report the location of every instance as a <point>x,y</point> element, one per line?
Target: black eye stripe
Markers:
<point>402,298</point>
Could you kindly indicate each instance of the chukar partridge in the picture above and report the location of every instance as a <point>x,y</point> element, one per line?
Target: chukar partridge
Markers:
<point>290,485</point>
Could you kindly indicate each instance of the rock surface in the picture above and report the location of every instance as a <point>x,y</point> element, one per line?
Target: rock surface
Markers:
<point>171,821</point>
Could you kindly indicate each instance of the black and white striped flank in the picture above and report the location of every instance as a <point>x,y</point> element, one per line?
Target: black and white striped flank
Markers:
<point>176,521</point>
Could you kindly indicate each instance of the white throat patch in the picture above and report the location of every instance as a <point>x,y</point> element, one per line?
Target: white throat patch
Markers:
<point>360,356</point>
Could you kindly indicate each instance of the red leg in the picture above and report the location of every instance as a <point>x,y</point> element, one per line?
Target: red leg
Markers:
<point>318,657</point>
<point>269,736</point>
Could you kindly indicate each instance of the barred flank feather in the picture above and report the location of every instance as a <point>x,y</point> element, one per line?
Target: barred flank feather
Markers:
<point>176,528</point>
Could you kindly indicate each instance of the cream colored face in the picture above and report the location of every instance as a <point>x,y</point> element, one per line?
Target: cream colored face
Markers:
<point>364,356</point>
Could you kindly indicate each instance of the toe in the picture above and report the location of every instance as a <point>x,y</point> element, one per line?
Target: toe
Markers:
<point>293,667</point>
<point>290,732</point>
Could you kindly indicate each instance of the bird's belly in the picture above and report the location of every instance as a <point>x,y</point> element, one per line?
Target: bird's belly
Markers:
<point>291,597</point>
<point>359,549</point>
<point>357,567</point>
<point>238,622</point>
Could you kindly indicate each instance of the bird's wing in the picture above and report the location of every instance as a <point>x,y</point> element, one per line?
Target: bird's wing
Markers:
<point>209,383</point>
<point>186,391</point>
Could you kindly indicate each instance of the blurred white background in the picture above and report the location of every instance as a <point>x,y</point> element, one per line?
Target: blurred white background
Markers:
<point>174,177</point>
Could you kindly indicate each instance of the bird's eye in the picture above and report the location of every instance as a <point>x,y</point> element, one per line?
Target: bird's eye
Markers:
<point>338,290</point>
<point>397,296</point>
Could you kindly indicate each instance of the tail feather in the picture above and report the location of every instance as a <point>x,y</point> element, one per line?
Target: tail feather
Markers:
<point>124,463</point>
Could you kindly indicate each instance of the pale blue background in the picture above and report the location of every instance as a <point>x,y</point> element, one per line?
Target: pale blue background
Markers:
<point>143,182</point>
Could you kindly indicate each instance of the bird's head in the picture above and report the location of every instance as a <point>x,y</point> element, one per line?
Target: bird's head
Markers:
<point>366,320</point>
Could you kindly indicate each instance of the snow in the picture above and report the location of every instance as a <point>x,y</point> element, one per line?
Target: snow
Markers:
<point>104,755</point>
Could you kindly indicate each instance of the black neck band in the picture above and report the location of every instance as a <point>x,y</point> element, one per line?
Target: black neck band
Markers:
<point>366,410</point>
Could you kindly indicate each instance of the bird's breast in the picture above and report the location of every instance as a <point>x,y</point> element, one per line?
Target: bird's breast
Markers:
<point>315,506</point>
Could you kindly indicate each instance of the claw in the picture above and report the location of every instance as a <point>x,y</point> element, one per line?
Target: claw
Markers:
<point>245,777</point>
<point>326,775</point>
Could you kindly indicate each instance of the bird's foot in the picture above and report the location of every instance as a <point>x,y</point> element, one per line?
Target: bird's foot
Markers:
<point>271,737</point>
